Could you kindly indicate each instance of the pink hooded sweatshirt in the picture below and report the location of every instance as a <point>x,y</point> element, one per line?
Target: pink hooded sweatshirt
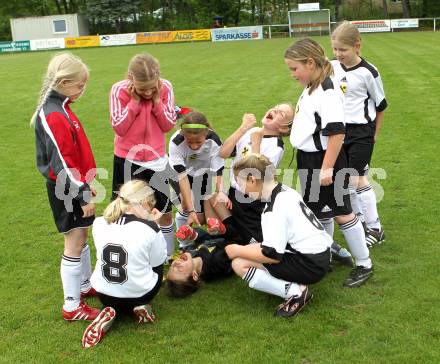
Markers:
<point>140,127</point>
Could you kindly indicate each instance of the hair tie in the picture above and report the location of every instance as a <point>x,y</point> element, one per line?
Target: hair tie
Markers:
<point>194,126</point>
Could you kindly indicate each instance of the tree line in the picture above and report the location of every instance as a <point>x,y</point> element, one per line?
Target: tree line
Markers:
<point>121,16</point>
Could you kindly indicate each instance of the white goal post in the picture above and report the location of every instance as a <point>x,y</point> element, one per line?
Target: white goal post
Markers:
<point>313,22</point>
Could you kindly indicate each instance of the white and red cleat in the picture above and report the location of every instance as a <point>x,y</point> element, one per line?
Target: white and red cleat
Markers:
<point>83,312</point>
<point>91,292</point>
<point>98,328</point>
<point>144,313</point>
<point>215,226</point>
<point>186,232</point>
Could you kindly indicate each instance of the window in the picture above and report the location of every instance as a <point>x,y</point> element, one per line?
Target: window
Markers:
<point>59,26</point>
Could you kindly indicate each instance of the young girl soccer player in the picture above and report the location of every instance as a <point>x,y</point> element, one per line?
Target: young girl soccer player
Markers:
<point>130,253</point>
<point>267,140</point>
<point>318,134</point>
<point>295,250</point>
<point>364,110</point>
<point>142,110</point>
<point>193,152</point>
<point>65,158</point>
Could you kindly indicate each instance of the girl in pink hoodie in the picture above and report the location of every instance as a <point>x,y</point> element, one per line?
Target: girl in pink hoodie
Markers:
<point>141,112</point>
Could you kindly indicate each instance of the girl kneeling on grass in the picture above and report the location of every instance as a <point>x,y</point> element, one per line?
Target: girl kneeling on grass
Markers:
<point>130,253</point>
<point>295,250</point>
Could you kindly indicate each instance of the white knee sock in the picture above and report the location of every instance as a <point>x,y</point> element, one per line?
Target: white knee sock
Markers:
<point>71,279</point>
<point>328,225</point>
<point>368,204</point>
<point>181,219</point>
<point>355,236</point>
<point>86,268</point>
<point>356,204</point>
<point>168,234</point>
<point>261,280</point>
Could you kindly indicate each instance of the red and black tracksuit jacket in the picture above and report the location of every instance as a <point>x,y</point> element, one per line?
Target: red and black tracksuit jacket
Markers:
<point>63,151</point>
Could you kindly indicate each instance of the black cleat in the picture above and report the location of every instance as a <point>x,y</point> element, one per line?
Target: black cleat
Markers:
<point>341,255</point>
<point>291,306</point>
<point>358,276</point>
<point>374,237</point>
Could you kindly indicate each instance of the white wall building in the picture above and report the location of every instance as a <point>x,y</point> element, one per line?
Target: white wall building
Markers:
<point>53,26</point>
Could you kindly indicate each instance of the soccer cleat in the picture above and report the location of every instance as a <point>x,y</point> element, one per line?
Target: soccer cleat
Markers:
<point>91,292</point>
<point>358,276</point>
<point>98,328</point>
<point>144,313</point>
<point>291,306</point>
<point>341,255</point>
<point>83,312</point>
<point>215,226</point>
<point>374,237</point>
<point>186,232</point>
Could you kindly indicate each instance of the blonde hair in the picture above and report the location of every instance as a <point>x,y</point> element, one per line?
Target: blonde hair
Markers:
<point>144,67</point>
<point>134,192</point>
<point>195,117</point>
<point>62,67</point>
<point>306,49</point>
<point>256,165</point>
<point>347,33</point>
<point>287,127</point>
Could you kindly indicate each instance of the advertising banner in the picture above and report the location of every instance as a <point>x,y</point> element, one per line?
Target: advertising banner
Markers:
<point>51,43</point>
<point>191,35</point>
<point>239,33</point>
<point>370,26</point>
<point>404,23</point>
<point>117,39</point>
<point>19,46</point>
<point>85,41</point>
<point>154,37</point>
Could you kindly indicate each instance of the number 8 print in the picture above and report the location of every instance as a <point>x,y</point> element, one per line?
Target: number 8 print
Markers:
<point>115,259</point>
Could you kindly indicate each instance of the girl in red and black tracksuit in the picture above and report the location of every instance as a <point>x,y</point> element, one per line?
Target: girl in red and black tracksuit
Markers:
<point>65,158</point>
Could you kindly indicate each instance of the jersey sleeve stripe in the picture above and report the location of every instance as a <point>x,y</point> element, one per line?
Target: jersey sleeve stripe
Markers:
<point>52,137</point>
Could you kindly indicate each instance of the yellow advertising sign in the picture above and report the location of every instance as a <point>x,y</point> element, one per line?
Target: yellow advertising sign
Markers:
<point>154,37</point>
<point>85,41</point>
<point>191,35</point>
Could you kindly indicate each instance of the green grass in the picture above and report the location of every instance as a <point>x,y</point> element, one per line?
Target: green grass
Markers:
<point>392,319</point>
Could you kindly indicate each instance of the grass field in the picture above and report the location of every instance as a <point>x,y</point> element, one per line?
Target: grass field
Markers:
<point>394,318</point>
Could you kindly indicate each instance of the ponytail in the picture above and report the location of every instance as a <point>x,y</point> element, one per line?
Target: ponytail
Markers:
<point>131,193</point>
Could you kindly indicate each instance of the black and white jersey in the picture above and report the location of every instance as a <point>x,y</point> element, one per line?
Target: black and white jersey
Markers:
<point>363,89</point>
<point>126,252</point>
<point>271,146</point>
<point>317,116</point>
<point>289,226</point>
<point>216,263</point>
<point>196,162</point>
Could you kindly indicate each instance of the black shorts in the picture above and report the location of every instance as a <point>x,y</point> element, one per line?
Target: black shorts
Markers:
<point>358,145</point>
<point>126,305</point>
<point>201,187</point>
<point>301,268</point>
<point>247,216</point>
<point>157,180</point>
<point>325,201</point>
<point>66,213</point>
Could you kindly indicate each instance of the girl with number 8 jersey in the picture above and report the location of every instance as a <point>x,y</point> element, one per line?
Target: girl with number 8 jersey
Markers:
<point>130,251</point>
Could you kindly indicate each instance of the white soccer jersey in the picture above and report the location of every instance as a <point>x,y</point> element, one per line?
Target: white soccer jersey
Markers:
<point>318,116</point>
<point>363,89</point>
<point>126,252</point>
<point>196,162</point>
<point>271,146</point>
<point>289,226</point>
